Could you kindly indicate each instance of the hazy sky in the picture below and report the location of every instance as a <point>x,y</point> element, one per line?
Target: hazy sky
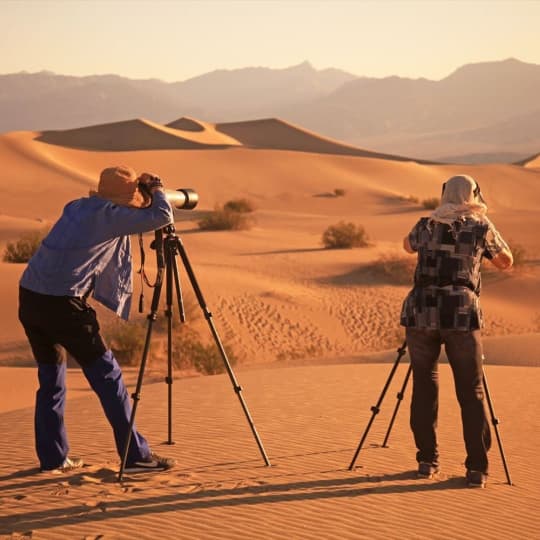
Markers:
<point>177,39</point>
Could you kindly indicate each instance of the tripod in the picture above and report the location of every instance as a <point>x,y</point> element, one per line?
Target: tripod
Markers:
<point>375,409</point>
<point>167,250</point>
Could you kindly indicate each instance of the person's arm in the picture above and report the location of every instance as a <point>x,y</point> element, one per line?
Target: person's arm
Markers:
<point>410,242</point>
<point>407,245</point>
<point>504,260</point>
<point>122,220</point>
<point>497,250</point>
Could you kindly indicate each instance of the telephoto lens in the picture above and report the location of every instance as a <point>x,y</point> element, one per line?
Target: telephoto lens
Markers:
<point>183,198</point>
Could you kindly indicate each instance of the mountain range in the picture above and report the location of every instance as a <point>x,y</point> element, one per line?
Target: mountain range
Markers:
<point>481,112</point>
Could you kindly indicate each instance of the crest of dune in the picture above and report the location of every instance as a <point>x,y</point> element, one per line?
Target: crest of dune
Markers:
<point>138,134</point>
<point>532,162</point>
<point>277,134</point>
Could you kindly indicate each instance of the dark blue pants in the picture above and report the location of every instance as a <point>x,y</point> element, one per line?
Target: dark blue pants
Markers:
<point>464,352</point>
<point>52,324</point>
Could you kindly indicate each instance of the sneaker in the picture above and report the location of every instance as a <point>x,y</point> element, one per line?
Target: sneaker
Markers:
<point>476,479</point>
<point>426,470</point>
<point>154,463</point>
<point>69,464</point>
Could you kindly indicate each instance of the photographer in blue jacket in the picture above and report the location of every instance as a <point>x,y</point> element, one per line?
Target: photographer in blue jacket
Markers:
<point>88,253</point>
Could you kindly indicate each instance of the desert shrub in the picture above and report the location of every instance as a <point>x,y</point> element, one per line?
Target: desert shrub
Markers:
<point>207,359</point>
<point>518,252</point>
<point>394,269</point>
<point>224,220</point>
<point>409,198</point>
<point>189,351</point>
<point>339,192</point>
<point>22,250</point>
<point>242,206</point>
<point>344,235</point>
<point>126,340</point>
<point>431,203</point>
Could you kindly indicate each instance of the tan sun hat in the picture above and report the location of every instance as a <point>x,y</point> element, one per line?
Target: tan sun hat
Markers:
<point>120,185</point>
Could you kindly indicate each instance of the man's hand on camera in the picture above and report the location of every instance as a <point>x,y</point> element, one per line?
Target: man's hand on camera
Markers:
<point>150,182</point>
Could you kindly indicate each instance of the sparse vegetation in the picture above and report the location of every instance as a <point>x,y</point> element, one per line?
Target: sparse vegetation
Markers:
<point>243,206</point>
<point>311,351</point>
<point>126,340</point>
<point>519,253</point>
<point>431,203</point>
<point>339,192</point>
<point>22,250</point>
<point>225,220</point>
<point>188,351</point>
<point>207,359</point>
<point>232,216</point>
<point>344,235</point>
<point>393,269</point>
<point>410,198</point>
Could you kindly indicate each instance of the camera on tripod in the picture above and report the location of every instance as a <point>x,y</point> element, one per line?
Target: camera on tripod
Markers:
<point>181,199</point>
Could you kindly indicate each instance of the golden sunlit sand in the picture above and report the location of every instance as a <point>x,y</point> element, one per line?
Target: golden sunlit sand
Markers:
<point>314,330</point>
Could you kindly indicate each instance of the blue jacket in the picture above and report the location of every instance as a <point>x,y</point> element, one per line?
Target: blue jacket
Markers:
<point>89,249</point>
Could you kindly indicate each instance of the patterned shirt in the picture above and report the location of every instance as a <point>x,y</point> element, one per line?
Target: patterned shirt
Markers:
<point>447,278</point>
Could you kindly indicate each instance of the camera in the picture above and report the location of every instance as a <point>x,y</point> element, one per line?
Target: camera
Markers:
<point>181,199</point>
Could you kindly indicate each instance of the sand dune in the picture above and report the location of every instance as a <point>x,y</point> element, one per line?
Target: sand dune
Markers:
<point>275,133</point>
<point>306,324</point>
<point>310,420</point>
<point>139,134</point>
<point>532,162</point>
<point>276,292</point>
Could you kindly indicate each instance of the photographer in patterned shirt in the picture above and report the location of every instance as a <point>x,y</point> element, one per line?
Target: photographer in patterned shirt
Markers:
<point>443,307</point>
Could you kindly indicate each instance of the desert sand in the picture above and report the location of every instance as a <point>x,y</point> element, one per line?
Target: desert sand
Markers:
<point>314,329</point>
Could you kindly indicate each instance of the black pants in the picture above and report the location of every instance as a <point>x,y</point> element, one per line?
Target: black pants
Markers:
<point>464,351</point>
<point>55,323</point>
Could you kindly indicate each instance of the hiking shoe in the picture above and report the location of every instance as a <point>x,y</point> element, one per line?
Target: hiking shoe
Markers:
<point>476,479</point>
<point>426,470</point>
<point>69,464</point>
<point>153,463</point>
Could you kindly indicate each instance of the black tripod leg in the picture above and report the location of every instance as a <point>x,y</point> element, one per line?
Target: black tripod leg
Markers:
<point>495,422</point>
<point>208,316</point>
<point>169,261</point>
<point>376,408</point>
<point>399,396</point>
<point>136,396</point>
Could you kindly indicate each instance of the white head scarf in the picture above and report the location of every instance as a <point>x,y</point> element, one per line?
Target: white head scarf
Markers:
<point>458,201</point>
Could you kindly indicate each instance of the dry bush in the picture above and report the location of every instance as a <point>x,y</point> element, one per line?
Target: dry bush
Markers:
<point>339,192</point>
<point>344,235</point>
<point>519,253</point>
<point>394,269</point>
<point>431,203</point>
<point>126,340</point>
<point>189,351</point>
<point>22,250</point>
<point>225,220</point>
<point>207,359</point>
<point>243,206</point>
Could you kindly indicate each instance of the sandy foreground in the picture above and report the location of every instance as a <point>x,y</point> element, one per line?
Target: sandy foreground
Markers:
<point>310,420</point>
<point>315,332</point>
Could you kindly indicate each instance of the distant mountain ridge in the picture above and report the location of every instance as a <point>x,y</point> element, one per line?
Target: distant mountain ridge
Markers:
<point>483,109</point>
